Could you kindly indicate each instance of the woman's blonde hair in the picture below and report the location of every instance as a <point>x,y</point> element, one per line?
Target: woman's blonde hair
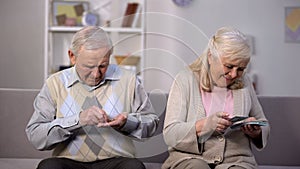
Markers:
<point>226,42</point>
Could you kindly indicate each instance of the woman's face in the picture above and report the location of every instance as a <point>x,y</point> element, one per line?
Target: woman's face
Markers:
<point>225,70</point>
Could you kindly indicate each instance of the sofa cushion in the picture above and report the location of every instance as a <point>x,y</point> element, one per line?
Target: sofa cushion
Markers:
<point>282,112</point>
<point>16,107</point>
<point>283,115</point>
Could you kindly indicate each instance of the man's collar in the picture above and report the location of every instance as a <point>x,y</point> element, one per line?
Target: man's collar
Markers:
<point>112,73</point>
<point>74,78</point>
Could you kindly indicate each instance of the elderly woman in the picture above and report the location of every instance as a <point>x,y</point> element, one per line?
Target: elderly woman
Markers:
<point>203,100</point>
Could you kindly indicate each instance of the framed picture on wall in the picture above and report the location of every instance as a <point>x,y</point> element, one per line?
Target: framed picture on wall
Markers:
<point>68,13</point>
<point>292,24</point>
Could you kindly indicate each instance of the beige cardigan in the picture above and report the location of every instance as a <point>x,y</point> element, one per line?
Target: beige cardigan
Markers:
<point>185,107</point>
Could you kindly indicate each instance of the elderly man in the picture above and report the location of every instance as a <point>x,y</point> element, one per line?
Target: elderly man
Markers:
<point>90,113</point>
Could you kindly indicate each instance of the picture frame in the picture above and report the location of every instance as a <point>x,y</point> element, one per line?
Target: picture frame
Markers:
<point>68,13</point>
<point>292,24</point>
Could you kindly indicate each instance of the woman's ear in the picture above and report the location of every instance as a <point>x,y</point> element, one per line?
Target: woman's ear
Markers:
<point>209,57</point>
<point>72,57</point>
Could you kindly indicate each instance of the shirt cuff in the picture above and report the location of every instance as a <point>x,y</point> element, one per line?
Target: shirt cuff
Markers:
<point>70,123</point>
<point>131,124</point>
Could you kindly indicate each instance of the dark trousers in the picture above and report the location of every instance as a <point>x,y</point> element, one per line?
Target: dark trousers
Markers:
<point>111,163</point>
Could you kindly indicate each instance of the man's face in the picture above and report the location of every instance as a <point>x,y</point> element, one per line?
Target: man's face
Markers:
<point>225,70</point>
<point>91,65</point>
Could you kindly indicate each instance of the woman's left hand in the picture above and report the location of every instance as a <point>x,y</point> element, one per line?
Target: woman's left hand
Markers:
<point>252,131</point>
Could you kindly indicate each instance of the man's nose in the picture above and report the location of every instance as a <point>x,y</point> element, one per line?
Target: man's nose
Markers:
<point>96,72</point>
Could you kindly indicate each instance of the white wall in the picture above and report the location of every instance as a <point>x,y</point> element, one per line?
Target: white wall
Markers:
<point>21,39</point>
<point>176,36</point>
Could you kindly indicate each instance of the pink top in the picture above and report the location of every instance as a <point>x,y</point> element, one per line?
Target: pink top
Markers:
<point>219,100</point>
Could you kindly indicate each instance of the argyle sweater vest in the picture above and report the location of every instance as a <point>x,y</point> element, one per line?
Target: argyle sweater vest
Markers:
<point>90,143</point>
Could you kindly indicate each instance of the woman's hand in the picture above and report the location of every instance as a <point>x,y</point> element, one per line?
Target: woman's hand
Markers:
<point>223,122</point>
<point>218,122</point>
<point>252,131</point>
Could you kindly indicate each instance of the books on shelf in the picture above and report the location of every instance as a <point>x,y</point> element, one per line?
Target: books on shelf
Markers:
<point>131,14</point>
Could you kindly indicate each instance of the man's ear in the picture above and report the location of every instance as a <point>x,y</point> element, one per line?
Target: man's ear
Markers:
<point>72,57</point>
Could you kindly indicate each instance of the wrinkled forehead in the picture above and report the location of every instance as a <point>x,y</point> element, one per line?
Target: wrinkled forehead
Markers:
<point>240,61</point>
<point>103,51</point>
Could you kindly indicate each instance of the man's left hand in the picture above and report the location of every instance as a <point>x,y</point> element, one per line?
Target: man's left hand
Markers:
<point>117,122</point>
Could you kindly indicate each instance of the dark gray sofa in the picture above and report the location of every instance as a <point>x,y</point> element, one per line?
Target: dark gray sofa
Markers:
<point>281,152</point>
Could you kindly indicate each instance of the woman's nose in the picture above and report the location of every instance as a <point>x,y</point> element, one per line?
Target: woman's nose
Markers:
<point>233,73</point>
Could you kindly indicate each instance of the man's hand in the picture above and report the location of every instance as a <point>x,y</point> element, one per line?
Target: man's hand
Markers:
<point>93,116</point>
<point>118,122</point>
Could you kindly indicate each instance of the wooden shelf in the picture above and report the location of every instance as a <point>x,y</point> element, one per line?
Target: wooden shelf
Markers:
<point>125,39</point>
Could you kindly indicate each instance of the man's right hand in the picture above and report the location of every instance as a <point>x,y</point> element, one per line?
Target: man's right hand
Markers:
<point>93,116</point>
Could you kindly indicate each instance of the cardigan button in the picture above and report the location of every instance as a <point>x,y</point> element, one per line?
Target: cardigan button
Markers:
<point>220,138</point>
<point>218,158</point>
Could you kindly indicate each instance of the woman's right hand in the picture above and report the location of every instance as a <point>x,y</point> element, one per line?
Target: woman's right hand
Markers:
<point>218,122</point>
<point>222,122</point>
